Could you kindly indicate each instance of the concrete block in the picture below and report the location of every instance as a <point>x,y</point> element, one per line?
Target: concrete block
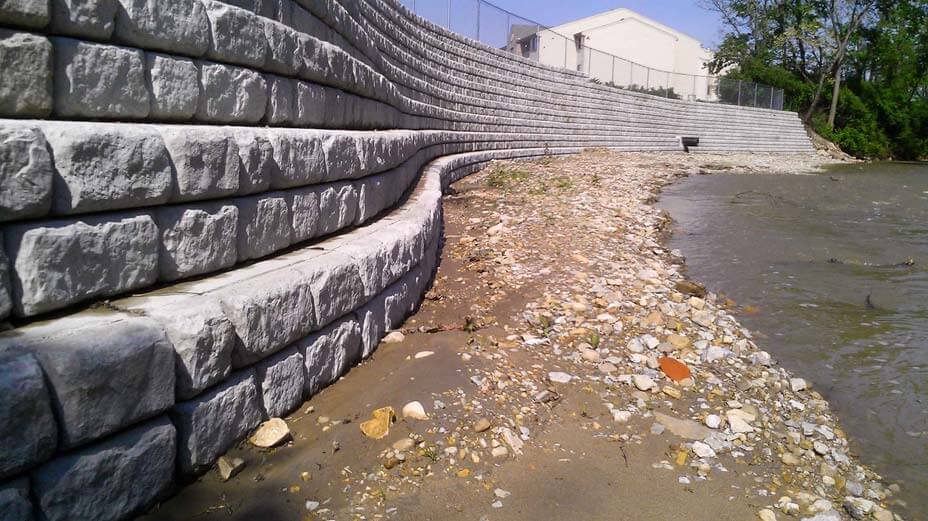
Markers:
<point>280,104</point>
<point>93,19</point>
<point>206,161</point>
<point>262,8</point>
<point>263,225</point>
<point>304,212</point>
<point>343,155</point>
<point>6,295</point>
<point>231,94</point>
<point>178,26</point>
<point>174,84</point>
<point>257,155</point>
<point>299,157</point>
<point>211,423</point>
<point>397,303</point>
<point>25,13</point>
<point>101,166</point>
<point>26,84</point>
<point>95,80</point>
<point>57,263</point>
<point>25,173</point>
<point>321,209</point>
<point>104,371</point>
<point>280,381</point>
<point>28,432</point>
<point>237,36</point>
<point>196,239</point>
<point>283,45</point>
<point>310,104</point>
<point>328,353</point>
<point>335,283</point>
<point>14,500</point>
<point>372,319</point>
<point>110,480</point>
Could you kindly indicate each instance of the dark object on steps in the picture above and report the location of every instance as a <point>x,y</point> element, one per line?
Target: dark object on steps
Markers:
<point>688,142</point>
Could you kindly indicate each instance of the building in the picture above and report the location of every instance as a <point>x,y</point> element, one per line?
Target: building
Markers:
<point>649,54</point>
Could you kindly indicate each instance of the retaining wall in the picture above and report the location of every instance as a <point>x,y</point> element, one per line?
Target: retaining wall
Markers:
<point>210,210</point>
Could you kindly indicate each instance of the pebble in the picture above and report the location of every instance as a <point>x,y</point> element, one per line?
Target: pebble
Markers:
<point>797,384</point>
<point>312,505</point>
<point>500,493</point>
<point>423,354</point>
<point>672,392</point>
<point>643,382</point>
<point>858,507</point>
<point>789,459</point>
<point>702,450</point>
<point>590,355</point>
<point>499,452</point>
<point>559,377</point>
<point>414,410</point>
<point>767,515</point>
<point>621,416</point>
<point>820,448</point>
<point>403,444</point>
<point>607,368</point>
<point>482,425</point>
<point>270,434</point>
<point>394,337</point>
<point>228,467</point>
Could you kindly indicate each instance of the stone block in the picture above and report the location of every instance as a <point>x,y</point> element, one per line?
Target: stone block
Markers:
<point>6,296</point>
<point>311,104</point>
<point>269,312</point>
<point>25,13</point>
<point>328,353</point>
<point>95,80</point>
<point>335,283</point>
<point>257,155</point>
<point>206,161</point>
<point>14,500</point>
<point>283,45</point>
<point>93,19</point>
<point>304,212</point>
<point>28,431</point>
<point>110,480</point>
<point>299,157</point>
<point>174,84</point>
<point>100,166</point>
<point>178,26</point>
<point>26,84</point>
<point>280,380</point>
<point>196,239</point>
<point>343,155</point>
<point>25,173</point>
<point>262,8</point>
<point>57,263</point>
<point>263,225</point>
<point>372,319</point>
<point>321,209</point>
<point>397,303</point>
<point>280,103</point>
<point>237,36</point>
<point>211,423</point>
<point>231,94</point>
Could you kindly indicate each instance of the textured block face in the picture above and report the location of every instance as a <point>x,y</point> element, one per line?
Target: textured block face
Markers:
<point>27,428</point>
<point>99,81</point>
<point>280,380</point>
<point>231,94</point>
<point>112,479</point>
<point>304,212</point>
<point>263,226</point>
<point>178,26</point>
<point>283,46</point>
<point>299,156</point>
<point>174,84</point>
<point>206,162</point>
<point>327,354</point>
<point>311,104</point>
<point>6,296</point>
<point>25,173</point>
<point>237,36</point>
<point>25,13</point>
<point>371,318</point>
<point>85,18</point>
<point>338,205</point>
<point>107,167</point>
<point>14,500</point>
<point>257,155</point>
<point>211,423</point>
<point>58,263</point>
<point>279,100</point>
<point>26,85</point>
<point>196,239</point>
<point>336,285</point>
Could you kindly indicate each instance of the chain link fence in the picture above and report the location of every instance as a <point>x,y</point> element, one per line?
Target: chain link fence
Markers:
<point>496,27</point>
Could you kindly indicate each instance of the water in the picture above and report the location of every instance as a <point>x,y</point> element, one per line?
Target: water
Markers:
<point>800,254</point>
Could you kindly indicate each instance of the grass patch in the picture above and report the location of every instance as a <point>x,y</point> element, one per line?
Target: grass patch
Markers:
<point>505,176</point>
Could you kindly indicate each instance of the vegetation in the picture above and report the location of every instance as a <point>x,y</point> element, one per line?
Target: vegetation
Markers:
<point>855,70</point>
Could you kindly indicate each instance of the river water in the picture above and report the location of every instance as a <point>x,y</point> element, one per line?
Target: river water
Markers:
<point>800,254</point>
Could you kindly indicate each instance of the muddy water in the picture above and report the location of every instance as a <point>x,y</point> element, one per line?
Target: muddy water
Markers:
<point>801,254</point>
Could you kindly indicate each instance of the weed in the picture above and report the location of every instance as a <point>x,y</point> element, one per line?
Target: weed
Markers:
<point>504,176</point>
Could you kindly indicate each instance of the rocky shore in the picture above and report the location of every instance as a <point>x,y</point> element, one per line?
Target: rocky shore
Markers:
<point>562,366</point>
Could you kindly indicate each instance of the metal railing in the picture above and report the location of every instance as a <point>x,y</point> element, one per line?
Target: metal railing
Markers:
<point>499,28</point>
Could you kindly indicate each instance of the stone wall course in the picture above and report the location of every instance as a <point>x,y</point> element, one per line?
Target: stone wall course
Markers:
<point>25,172</point>
<point>26,62</point>
<point>93,19</point>
<point>174,84</point>
<point>28,430</point>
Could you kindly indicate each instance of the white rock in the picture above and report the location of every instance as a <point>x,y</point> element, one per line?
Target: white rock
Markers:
<point>621,416</point>
<point>767,515</point>
<point>559,377</point>
<point>423,354</point>
<point>713,421</point>
<point>500,493</point>
<point>395,337</point>
<point>643,382</point>
<point>702,450</point>
<point>270,434</point>
<point>797,384</point>
<point>414,410</point>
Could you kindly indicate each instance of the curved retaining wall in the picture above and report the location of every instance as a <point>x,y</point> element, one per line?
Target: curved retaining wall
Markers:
<point>211,210</point>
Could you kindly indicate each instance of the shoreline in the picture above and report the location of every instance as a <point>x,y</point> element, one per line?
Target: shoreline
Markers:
<point>536,359</point>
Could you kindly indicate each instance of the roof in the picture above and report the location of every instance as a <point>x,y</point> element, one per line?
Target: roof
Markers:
<point>612,17</point>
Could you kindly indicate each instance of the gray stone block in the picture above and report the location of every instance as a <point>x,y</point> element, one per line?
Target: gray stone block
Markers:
<point>84,18</point>
<point>206,161</point>
<point>335,283</point>
<point>280,380</point>
<point>57,263</point>
<point>231,94</point>
<point>178,26</point>
<point>263,225</point>
<point>280,105</point>
<point>214,421</point>
<point>311,104</point>
<point>25,173</point>
<point>263,8</point>
<point>299,156</point>
<point>26,84</point>
<point>95,80</point>
<point>237,36</point>
<point>257,155</point>
<point>15,504</point>
<point>372,318</point>
<point>28,432</point>
<point>104,371</point>
<point>100,166</point>
<point>174,84</point>
<point>196,239</point>
<point>110,480</point>
<point>283,48</point>
<point>25,13</point>
<point>327,354</point>
<point>6,295</point>
<point>397,303</point>
<point>321,209</point>
<point>304,212</point>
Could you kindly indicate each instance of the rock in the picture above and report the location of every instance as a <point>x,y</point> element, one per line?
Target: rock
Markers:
<point>228,467</point>
<point>14,500</point>
<point>858,508</point>
<point>26,90</point>
<point>25,13</point>
<point>678,341</point>
<point>234,32</point>
<point>607,368</point>
<point>174,84</point>
<point>789,459</point>
<point>621,416</point>
<point>500,493</point>
<point>394,337</point>
<point>181,28</point>
<point>423,354</point>
<point>702,450</point>
<point>716,353</point>
<point>280,381</point>
<point>713,421</point>
<point>514,442</point>
<point>499,452</point>
<point>643,382</point>
<point>415,411</point>
<point>797,384</point>
<point>738,421</point>
<point>831,515</point>
<point>312,505</point>
<point>379,425</point>
<point>820,448</point>
<point>28,432</point>
<point>559,377</point>
<point>691,288</point>
<point>206,162</point>
<point>403,444</point>
<point>696,303</point>
<point>482,425</point>
<point>270,434</point>
<point>703,318</point>
<point>881,514</point>
<point>647,274</point>
<point>590,355</point>
<point>767,515</point>
<point>687,429</point>
<point>25,171</point>
<point>672,392</point>
<point>230,94</point>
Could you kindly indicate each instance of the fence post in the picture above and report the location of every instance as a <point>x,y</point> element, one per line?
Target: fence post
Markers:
<point>613,69</point>
<point>647,78</point>
<point>755,96</point>
<point>667,86</point>
<point>449,15</point>
<point>772,90</point>
<point>478,19</point>
<point>739,93</point>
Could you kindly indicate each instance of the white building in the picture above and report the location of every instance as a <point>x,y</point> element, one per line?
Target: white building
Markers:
<point>650,54</point>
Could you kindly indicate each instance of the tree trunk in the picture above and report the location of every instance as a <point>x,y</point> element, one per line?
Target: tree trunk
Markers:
<point>834,100</point>
<point>807,118</point>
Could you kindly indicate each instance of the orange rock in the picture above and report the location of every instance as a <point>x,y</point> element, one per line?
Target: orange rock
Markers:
<point>674,369</point>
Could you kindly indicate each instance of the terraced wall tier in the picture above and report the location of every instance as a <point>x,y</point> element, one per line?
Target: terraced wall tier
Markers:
<point>210,210</point>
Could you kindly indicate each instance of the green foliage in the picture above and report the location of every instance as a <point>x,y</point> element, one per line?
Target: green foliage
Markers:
<point>505,176</point>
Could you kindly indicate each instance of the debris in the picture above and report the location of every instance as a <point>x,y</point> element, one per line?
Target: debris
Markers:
<point>270,434</point>
<point>379,425</point>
